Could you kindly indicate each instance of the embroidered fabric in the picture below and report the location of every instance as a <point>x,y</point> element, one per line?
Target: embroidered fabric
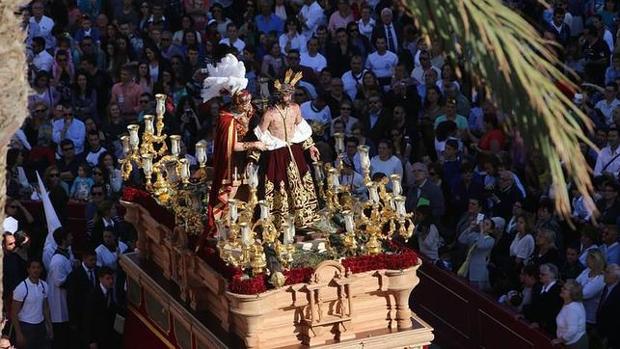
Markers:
<point>302,132</point>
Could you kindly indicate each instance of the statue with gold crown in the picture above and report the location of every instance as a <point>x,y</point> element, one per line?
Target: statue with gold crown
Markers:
<point>288,187</point>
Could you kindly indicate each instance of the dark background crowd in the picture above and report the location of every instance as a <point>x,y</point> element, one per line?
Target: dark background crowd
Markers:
<point>483,198</point>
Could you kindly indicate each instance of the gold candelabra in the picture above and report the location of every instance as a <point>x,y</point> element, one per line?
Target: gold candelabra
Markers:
<point>151,153</point>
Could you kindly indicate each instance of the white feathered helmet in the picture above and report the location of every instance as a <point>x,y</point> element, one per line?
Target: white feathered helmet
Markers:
<point>227,77</point>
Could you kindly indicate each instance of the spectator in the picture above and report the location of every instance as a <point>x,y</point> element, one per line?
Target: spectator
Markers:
<point>232,38</point>
<point>382,62</point>
<point>94,148</point>
<point>109,250</point>
<point>610,246</point>
<point>546,300</point>
<point>571,326</point>
<point>311,57</point>
<point>425,189</point>
<point>267,21</point>
<point>546,251</point>
<point>589,237</point>
<point>428,239</point>
<point>43,25</point>
<point>388,30</point>
<point>608,160</point>
<point>572,266</point>
<point>385,162</point>
<point>609,307</point>
<point>84,97</point>
<point>69,129</point>
<point>592,281</point>
<point>69,163</point>
<point>100,312</point>
<point>30,311</point>
<point>80,189</point>
<point>522,246</point>
<point>79,283</point>
<point>126,94</point>
<point>105,219</point>
<point>480,241</point>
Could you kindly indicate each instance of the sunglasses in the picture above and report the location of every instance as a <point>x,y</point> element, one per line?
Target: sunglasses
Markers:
<point>52,175</point>
<point>68,114</point>
<point>144,102</point>
<point>12,206</point>
<point>98,173</point>
<point>40,110</point>
<point>67,149</point>
<point>97,193</point>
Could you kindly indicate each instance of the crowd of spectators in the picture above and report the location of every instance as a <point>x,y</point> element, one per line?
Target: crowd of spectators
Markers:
<point>483,198</point>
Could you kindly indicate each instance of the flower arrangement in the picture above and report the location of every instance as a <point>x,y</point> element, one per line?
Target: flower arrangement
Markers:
<point>396,256</point>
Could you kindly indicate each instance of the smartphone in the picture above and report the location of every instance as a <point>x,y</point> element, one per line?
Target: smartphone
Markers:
<point>479,218</point>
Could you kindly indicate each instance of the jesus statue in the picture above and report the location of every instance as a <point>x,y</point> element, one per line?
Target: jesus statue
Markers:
<point>288,184</point>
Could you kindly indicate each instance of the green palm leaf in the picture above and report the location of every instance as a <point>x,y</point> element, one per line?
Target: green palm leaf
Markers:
<point>517,67</point>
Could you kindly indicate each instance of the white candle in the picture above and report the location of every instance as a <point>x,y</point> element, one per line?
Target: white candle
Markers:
<point>246,237</point>
<point>147,164</point>
<point>396,187</point>
<point>252,176</point>
<point>125,143</point>
<point>222,234</point>
<point>134,140</point>
<point>235,174</point>
<point>160,107</point>
<point>318,171</point>
<point>264,209</point>
<point>286,237</point>
<point>399,201</point>
<point>334,181</point>
<point>175,145</point>
<point>201,153</point>
<point>184,167</point>
<point>339,142</point>
<point>349,225</point>
<point>373,193</point>
<point>148,124</point>
<point>232,210</point>
<point>364,157</point>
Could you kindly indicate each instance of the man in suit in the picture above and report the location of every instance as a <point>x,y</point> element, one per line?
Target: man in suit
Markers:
<point>424,189</point>
<point>100,313</point>
<point>80,282</point>
<point>546,301</point>
<point>609,308</point>
<point>378,119</point>
<point>389,30</point>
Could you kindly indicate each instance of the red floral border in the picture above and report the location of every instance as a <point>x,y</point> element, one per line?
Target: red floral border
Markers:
<point>399,257</point>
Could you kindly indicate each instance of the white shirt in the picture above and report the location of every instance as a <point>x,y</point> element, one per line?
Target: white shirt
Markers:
<point>32,297</point>
<point>43,61</point>
<point>607,109</point>
<point>60,268</point>
<point>592,288</point>
<point>314,17</point>
<point>609,40</point>
<point>429,245</point>
<point>310,113</point>
<point>107,258</point>
<point>298,42</point>
<point>391,166</point>
<point>522,247</point>
<point>350,81</point>
<point>348,126</point>
<point>418,73</point>
<point>76,133</point>
<point>604,157</point>
<point>43,28</point>
<point>317,63</point>
<point>382,65</point>
<point>93,158</point>
<point>238,44</point>
<point>571,322</point>
<point>366,29</point>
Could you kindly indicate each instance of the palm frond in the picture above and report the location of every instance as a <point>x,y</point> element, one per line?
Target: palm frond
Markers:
<point>518,67</point>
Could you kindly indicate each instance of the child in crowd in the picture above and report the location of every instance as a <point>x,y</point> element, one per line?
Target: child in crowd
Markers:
<point>80,190</point>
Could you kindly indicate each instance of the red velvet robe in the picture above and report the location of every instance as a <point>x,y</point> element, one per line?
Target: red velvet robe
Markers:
<point>227,133</point>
